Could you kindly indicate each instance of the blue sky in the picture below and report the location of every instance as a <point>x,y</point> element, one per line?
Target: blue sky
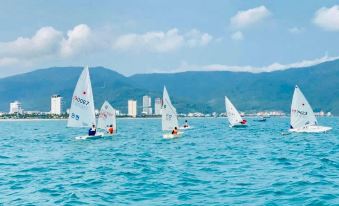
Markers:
<point>167,36</point>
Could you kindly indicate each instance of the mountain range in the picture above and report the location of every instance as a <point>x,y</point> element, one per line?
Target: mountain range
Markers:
<point>191,91</point>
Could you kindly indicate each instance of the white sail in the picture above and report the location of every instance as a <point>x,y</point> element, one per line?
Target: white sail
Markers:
<point>301,112</point>
<point>82,112</point>
<point>169,113</point>
<point>232,113</point>
<point>107,117</point>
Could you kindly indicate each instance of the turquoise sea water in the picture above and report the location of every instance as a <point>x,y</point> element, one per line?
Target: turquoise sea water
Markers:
<point>42,164</point>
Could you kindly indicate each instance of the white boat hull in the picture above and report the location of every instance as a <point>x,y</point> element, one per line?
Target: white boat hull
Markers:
<point>89,137</point>
<point>311,129</point>
<point>185,128</point>
<point>172,136</point>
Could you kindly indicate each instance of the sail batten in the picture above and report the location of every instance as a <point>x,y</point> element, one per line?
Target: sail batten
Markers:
<point>168,113</point>
<point>82,112</point>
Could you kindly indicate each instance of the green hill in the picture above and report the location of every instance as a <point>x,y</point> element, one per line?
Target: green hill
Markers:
<point>190,91</point>
<point>252,92</point>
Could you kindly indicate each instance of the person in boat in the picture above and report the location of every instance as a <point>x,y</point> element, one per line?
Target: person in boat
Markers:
<point>186,124</point>
<point>175,131</point>
<point>243,121</point>
<point>92,131</point>
<point>110,129</point>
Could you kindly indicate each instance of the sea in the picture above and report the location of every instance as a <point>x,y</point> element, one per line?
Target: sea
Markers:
<point>41,163</point>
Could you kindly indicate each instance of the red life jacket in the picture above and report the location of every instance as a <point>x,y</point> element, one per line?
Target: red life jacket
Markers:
<point>243,121</point>
<point>110,130</point>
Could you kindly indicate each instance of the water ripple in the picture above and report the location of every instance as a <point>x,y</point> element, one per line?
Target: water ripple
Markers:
<point>210,165</point>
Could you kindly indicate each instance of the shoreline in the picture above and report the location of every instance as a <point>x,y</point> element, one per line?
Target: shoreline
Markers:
<point>136,118</point>
<point>28,120</point>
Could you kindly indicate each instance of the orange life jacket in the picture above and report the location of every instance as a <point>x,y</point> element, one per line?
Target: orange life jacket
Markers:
<point>110,130</point>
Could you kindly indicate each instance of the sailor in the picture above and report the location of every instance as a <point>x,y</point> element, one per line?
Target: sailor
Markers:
<point>186,124</point>
<point>175,131</point>
<point>92,131</point>
<point>110,129</point>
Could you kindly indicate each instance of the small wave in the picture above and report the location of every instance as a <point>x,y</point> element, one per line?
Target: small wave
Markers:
<point>3,157</point>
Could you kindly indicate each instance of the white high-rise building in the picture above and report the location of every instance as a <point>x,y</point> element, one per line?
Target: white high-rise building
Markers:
<point>157,106</point>
<point>56,104</point>
<point>117,112</point>
<point>132,108</point>
<point>15,107</point>
<point>146,105</point>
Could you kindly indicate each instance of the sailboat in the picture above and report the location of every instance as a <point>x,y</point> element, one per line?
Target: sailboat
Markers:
<point>260,119</point>
<point>82,112</point>
<point>233,115</point>
<point>107,118</point>
<point>169,117</point>
<point>302,116</point>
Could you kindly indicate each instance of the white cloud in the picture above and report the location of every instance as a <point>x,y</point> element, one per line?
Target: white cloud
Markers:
<point>8,61</point>
<point>196,38</point>
<point>151,41</point>
<point>47,44</point>
<point>327,18</point>
<point>296,30</point>
<point>237,36</point>
<point>249,17</point>
<point>77,39</point>
<point>270,68</point>
<point>46,41</point>
<point>50,46</point>
<point>160,41</point>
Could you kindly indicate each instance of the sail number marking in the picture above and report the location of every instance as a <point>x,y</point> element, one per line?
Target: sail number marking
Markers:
<point>168,116</point>
<point>299,112</point>
<point>82,101</point>
<point>75,116</point>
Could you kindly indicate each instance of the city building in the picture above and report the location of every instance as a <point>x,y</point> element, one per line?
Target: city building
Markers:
<point>15,107</point>
<point>195,114</point>
<point>157,106</point>
<point>146,105</point>
<point>56,104</point>
<point>132,108</point>
<point>117,112</point>
<point>270,113</point>
<point>321,113</point>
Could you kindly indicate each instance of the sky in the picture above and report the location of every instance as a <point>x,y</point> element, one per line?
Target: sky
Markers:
<point>167,36</point>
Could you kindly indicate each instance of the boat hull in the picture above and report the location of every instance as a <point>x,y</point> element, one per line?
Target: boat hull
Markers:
<point>172,136</point>
<point>259,120</point>
<point>89,137</point>
<point>311,129</point>
<point>238,126</point>
<point>185,128</point>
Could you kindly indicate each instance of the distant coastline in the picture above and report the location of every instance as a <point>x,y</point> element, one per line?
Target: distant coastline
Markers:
<point>129,118</point>
<point>29,120</point>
